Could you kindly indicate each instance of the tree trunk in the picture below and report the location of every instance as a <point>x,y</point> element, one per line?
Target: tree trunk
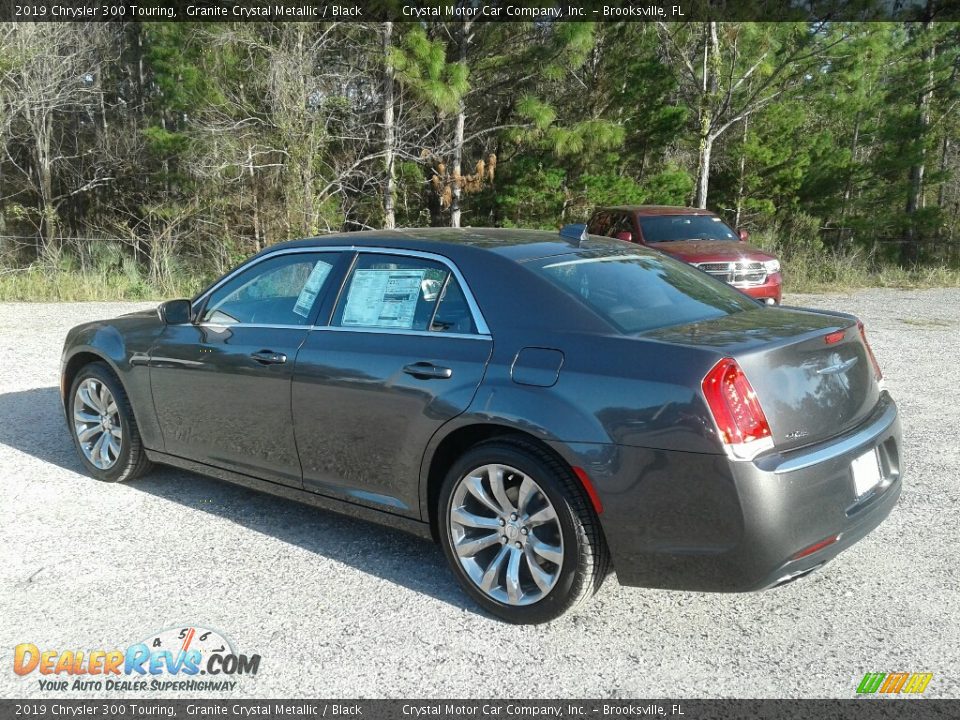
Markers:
<point>743,172</point>
<point>945,154</point>
<point>258,241</point>
<point>910,250</point>
<point>711,53</point>
<point>3,213</point>
<point>458,134</point>
<point>848,189</point>
<point>306,168</point>
<point>457,161</point>
<point>944,165</point>
<point>141,247</point>
<point>389,132</point>
<point>703,174</point>
<point>45,173</point>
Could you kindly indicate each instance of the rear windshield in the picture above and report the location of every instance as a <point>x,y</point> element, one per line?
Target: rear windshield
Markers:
<point>670,228</point>
<point>639,292</point>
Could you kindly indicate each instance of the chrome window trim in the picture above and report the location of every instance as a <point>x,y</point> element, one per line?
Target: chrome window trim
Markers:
<point>220,325</point>
<point>483,330</point>
<point>334,328</point>
<point>246,266</point>
<point>401,331</point>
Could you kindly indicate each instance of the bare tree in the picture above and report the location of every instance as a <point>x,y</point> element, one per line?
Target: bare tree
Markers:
<point>389,131</point>
<point>53,95</point>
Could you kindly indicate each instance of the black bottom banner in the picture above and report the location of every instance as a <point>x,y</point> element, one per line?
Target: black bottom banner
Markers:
<point>914,709</point>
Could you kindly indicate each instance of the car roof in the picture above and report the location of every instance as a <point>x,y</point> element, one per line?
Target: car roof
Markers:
<point>644,210</point>
<point>492,259</point>
<point>512,243</point>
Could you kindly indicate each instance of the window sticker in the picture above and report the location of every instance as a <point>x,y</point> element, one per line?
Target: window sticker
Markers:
<point>311,288</point>
<point>383,298</point>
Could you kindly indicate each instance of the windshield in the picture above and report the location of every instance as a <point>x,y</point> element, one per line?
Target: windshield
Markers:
<point>669,228</point>
<point>639,292</point>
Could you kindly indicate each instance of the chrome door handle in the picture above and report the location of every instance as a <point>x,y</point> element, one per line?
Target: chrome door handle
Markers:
<point>428,371</point>
<point>269,357</point>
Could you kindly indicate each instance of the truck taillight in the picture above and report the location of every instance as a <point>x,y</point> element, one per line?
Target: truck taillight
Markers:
<point>742,426</point>
<point>873,359</point>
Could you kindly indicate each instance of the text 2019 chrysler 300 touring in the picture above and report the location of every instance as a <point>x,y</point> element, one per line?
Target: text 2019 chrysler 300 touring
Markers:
<point>543,408</point>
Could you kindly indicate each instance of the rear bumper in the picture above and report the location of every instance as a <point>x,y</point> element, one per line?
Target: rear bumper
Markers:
<point>710,524</point>
<point>772,288</point>
<point>815,499</point>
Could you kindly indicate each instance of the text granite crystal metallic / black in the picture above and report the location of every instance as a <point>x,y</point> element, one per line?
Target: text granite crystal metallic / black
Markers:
<point>547,409</point>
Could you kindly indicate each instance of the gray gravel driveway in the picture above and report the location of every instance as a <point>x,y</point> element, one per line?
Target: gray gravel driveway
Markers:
<point>340,608</point>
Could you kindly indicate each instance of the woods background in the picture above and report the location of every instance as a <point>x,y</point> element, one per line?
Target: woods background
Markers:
<point>143,159</point>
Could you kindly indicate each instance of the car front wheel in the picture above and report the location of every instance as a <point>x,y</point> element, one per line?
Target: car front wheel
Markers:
<point>519,533</point>
<point>103,426</point>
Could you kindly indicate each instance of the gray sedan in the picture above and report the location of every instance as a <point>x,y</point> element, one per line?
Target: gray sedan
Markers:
<point>548,409</point>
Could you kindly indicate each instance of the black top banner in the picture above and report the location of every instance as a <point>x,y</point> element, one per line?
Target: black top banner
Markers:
<point>476,10</point>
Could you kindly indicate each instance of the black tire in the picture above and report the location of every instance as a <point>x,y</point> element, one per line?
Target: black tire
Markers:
<point>585,561</point>
<point>131,461</point>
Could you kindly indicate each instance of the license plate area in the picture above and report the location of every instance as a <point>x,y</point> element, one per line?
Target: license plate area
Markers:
<point>867,472</point>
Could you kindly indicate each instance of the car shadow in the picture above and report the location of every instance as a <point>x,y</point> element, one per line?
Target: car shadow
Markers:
<point>389,554</point>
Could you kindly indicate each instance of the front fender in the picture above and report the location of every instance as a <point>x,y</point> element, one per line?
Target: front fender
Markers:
<point>123,344</point>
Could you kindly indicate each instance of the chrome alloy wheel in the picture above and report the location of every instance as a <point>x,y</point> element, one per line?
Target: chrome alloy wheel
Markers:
<point>506,534</point>
<point>96,422</point>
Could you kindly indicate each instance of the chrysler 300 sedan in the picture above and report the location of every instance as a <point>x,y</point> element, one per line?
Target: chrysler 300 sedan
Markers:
<point>546,409</point>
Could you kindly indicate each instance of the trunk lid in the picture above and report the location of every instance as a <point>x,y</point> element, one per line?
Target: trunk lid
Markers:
<point>810,389</point>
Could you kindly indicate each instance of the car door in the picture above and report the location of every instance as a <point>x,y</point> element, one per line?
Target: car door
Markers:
<point>221,384</point>
<point>405,351</point>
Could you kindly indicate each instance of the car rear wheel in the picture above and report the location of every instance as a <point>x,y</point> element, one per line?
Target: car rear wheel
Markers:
<point>519,533</point>
<point>103,426</point>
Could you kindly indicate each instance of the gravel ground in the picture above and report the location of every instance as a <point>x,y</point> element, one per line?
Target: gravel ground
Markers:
<point>340,608</point>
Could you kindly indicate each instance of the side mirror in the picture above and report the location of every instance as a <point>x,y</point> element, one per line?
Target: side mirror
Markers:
<point>744,235</point>
<point>176,312</point>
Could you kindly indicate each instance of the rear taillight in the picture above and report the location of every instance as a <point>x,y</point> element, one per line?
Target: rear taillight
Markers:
<point>736,410</point>
<point>873,359</point>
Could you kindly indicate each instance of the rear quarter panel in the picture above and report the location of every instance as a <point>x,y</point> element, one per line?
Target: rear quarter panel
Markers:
<point>610,389</point>
<point>629,412</point>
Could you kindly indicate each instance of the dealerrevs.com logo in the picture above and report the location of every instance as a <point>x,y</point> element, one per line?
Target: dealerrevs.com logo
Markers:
<point>894,683</point>
<point>185,659</point>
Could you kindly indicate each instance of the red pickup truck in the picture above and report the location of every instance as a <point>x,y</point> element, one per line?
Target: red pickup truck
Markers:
<point>697,237</point>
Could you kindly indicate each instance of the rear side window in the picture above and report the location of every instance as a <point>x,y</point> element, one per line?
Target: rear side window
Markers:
<point>453,314</point>
<point>392,292</point>
<point>640,292</point>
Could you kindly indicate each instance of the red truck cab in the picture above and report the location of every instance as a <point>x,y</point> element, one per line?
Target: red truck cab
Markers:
<point>697,237</point>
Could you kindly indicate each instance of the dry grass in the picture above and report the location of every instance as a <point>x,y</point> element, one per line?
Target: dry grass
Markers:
<point>805,270</point>
<point>36,284</point>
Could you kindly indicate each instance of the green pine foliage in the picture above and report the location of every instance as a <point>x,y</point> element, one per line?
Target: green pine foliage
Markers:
<point>187,146</point>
